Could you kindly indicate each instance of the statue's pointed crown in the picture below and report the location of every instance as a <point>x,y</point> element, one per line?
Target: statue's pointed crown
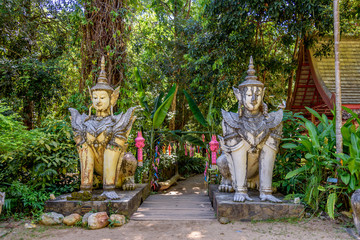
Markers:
<point>251,78</point>
<point>102,82</point>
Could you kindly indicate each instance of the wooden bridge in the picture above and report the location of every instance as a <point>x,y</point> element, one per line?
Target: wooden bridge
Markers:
<point>186,201</point>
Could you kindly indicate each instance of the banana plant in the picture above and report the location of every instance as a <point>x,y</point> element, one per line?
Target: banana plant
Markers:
<point>207,122</point>
<point>160,109</point>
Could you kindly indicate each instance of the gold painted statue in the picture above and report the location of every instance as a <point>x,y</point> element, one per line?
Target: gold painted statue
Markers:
<point>101,140</point>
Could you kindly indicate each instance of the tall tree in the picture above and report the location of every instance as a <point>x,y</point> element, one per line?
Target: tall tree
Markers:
<point>32,39</point>
<point>160,40</point>
<point>104,34</point>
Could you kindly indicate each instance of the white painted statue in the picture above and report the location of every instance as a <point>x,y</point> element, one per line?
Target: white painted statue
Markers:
<point>250,142</point>
<point>101,140</point>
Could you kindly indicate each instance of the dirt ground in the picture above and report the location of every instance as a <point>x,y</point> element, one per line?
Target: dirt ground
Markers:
<point>307,229</point>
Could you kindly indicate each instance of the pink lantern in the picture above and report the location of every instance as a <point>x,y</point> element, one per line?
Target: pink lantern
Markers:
<point>214,146</point>
<point>140,143</point>
<point>169,149</point>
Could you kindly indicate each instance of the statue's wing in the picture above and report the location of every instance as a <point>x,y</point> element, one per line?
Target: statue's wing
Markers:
<point>275,118</point>
<point>77,124</point>
<point>115,96</point>
<point>124,122</point>
<point>232,119</point>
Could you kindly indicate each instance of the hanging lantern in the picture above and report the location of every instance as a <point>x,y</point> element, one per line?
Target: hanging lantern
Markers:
<point>214,146</point>
<point>169,149</point>
<point>140,143</point>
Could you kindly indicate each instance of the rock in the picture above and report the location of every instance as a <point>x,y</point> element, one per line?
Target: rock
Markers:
<point>117,220</point>
<point>2,200</point>
<point>86,218</point>
<point>29,225</point>
<point>224,220</point>
<point>355,205</point>
<point>51,218</point>
<point>98,220</point>
<point>72,219</point>
<point>52,196</point>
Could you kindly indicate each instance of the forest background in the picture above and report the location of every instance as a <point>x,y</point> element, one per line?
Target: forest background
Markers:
<point>50,53</point>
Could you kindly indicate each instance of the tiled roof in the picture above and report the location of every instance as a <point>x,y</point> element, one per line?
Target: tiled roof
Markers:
<point>349,71</point>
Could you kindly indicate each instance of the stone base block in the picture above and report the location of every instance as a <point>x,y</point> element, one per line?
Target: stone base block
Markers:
<point>255,210</point>
<point>127,204</point>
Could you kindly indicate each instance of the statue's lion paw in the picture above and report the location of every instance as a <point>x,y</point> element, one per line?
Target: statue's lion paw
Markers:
<point>270,198</point>
<point>241,197</point>
<point>129,186</point>
<point>229,188</point>
<point>225,188</point>
<point>110,195</point>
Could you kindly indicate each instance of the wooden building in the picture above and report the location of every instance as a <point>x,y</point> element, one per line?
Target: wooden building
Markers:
<point>315,80</point>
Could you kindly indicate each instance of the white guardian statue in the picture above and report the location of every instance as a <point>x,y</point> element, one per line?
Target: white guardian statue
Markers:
<point>250,142</point>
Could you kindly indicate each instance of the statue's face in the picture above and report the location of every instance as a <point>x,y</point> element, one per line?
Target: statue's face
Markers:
<point>252,98</point>
<point>101,100</point>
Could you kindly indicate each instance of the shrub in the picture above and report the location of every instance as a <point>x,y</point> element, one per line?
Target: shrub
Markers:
<point>324,183</point>
<point>36,162</point>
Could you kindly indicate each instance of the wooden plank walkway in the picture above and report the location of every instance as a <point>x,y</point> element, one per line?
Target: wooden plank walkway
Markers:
<point>182,202</point>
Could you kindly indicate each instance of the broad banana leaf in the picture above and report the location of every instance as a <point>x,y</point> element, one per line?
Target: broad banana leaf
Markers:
<point>161,112</point>
<point>195,110</point>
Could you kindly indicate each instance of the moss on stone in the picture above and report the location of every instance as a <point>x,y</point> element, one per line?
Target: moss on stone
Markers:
<point>85,196</point>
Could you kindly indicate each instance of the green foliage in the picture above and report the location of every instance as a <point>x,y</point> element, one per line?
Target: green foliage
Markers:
<point>36,58</point>
<point>192,165</point>
<point>349,171</point>
<point>162,110</point>
<point>14,136</point>
<point>35,161</point>
<point>318,162</point>
<point>21,197</point>
<point>325,183</point>
<point>195,110</point>
<point>287,158</point>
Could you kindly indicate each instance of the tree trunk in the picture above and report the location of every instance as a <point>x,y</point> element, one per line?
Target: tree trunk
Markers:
<point>290,83</point>
<point>337,77</point>
<point>104,34</point>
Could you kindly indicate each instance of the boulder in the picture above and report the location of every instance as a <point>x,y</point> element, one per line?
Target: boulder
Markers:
<point>85,219</point>
<point>355,205</point>
<point>98,220</point>
<point>117,220</point>
<point>72,219</point>
<point>51,218</point>
<point>2,200</point>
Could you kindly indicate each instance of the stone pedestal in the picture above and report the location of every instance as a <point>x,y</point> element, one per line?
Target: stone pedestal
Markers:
<point>127,204</point>
<point>224,206</point>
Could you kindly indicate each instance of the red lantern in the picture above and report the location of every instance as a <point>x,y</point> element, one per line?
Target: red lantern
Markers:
<point>214,146</point>
<point>140,143</point>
